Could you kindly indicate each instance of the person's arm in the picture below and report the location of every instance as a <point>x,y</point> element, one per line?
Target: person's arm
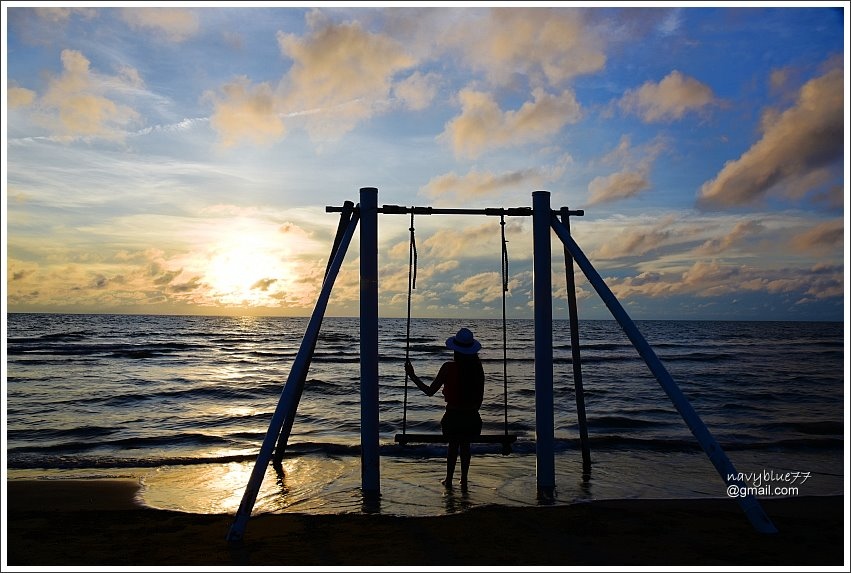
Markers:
<point>429,390</point>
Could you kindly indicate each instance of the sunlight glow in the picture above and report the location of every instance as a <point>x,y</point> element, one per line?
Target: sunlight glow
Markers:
<point>249,268</point>
<point>241,275</point>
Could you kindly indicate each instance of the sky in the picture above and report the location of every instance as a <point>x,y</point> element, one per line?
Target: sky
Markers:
<point>178,159</point>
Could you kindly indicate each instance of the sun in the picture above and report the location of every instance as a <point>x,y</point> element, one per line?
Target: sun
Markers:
<point>247,271</point>
<point>237,262</point>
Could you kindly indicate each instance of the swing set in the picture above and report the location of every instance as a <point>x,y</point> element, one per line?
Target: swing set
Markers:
<point>544,222</point>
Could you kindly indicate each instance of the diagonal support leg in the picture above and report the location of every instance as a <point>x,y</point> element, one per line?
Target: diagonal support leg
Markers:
<point>574,350</point>
<point>719,459</point>
<point>286,429</point>
<point>291,388</point>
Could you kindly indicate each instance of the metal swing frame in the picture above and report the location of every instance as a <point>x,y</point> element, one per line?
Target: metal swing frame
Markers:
<point>544,222</point>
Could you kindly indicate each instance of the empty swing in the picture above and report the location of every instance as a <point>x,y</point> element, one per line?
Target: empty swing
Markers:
<point>505,439</point>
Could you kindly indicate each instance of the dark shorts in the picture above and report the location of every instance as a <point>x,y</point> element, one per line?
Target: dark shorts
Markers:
<point>461,424</point>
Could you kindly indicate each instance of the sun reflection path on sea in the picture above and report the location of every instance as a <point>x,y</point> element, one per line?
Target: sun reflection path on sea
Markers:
<point>314,484</point>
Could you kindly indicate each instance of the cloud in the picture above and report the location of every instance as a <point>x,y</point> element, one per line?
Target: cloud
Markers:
<point>826,237</point>
<point>778,78</point>
<point>793,156</point>
<point>111,283</point>
<point>417,91</point>
<point>482,287</point>
<point>343,71</point>
<point>667,100</point>
<point>632,179</point>
<point>264,284</point>
<point>712,278</point>
<point>174,24</point>
<point>465,242</point>
<point>482,125</point>
<point>671,23</point>
<point>484,184</point>
<point>706,278</point>
<point>617,186</point>
<point>740,232</point>
<point>549,47</point>
<point>20,97</point>
<point>75,104</point>
<point>62,15</point>
<point>634,243</point>
<point>341,75</point>
<point>832,197</point>
<point>246,113</point>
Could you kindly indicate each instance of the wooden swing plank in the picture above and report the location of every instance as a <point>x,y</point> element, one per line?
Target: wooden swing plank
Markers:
<point>441,439</point>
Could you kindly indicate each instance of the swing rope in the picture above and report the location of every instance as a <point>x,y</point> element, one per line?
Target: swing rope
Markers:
<point>412,284</point>
<point>504,327</point>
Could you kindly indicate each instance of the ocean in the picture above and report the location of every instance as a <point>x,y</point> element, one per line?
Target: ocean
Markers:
<point>182,404</point>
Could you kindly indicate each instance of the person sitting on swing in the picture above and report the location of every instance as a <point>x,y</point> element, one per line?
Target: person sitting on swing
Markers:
<point>463,382</point>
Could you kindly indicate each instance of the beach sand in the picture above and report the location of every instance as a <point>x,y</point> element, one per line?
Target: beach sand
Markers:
<point>98,523</point>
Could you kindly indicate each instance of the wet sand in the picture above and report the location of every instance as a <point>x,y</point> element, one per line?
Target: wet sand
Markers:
<point>98,523</point>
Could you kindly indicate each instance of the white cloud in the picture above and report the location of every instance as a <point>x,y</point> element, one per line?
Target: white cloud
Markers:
<point>173,24</point>
<point>246,113</point>
<point>483,126</point>
<point>475,184</point>
<point>544,46</point>
<point>617,186</point>
<point>76,103</point>
<point>418,90</point>
<point>344,71</point>
<point>670,99</point>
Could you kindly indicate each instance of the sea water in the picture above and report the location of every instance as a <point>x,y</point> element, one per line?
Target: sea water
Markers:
<point>182,403</point>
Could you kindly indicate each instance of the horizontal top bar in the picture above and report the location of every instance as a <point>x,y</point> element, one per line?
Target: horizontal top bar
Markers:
<point>491,211</point>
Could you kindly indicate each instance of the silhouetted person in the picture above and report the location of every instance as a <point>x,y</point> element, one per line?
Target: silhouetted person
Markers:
<point>463,383</point>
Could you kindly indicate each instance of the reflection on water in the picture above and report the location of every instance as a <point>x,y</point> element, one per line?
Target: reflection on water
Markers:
<point>370,502</point>
<point>455,502</point>
<point>323,484</point>
<point>206,489</point>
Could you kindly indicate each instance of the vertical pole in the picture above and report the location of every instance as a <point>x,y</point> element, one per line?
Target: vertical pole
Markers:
<point>504,327</point>
<point>575,357</point>
<point>749,504</point>
<point>370,476</point>
<point>542,288</point>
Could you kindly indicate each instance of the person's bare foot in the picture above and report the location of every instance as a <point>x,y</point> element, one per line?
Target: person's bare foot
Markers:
<point>447,483</point>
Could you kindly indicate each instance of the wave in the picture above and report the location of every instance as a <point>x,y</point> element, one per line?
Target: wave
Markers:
<point>624,422</point>
<point>171,441</point>
<point>87,432</point>
<point>823,428</point>
<point>147,350</point>
<point>49,337</point>
<point>63,457</point>
<point>213,393</point>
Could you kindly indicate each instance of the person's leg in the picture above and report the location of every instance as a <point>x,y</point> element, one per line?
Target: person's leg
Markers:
<point>465,462</point>
<point>451,459</point>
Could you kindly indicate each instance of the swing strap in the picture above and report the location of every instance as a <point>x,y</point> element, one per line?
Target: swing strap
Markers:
<point>412,284</point>
<point>504,326</point>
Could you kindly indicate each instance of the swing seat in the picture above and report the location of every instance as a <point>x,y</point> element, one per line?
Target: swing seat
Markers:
<point>505,439</point>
